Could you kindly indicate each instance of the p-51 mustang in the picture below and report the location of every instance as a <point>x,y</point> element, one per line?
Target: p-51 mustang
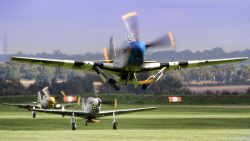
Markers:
<point>91,111</point>
<point>47,102</point>
<point>124,63</point>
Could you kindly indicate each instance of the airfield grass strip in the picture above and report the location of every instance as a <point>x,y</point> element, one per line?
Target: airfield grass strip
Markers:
<point>148,99</point>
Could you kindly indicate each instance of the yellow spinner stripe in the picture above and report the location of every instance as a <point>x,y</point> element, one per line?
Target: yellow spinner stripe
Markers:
<point>171,39</point>
<point>106,55</point>
<point>129,15</point>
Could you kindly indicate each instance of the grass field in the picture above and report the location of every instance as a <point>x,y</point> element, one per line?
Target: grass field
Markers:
<point>165,123</point>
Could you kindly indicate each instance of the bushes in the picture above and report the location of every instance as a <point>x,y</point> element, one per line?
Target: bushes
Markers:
<point>148,99</point>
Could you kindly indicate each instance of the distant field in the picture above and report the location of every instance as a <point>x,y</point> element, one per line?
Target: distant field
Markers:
<point>165,123</point>
<point>234,88</point>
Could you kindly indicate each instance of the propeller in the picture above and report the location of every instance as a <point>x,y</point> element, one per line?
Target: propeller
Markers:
<point>62,92</point>
<point>115,103</point>
<point>166,40</point>
<point>46,91</point>
<point>130,21</point>
<point>79,100</point>
<point>105,53</point>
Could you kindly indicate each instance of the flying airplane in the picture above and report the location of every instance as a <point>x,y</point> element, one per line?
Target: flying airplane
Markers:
<point>46,102</point>
<point>91,111</point>
<point>128,60</point>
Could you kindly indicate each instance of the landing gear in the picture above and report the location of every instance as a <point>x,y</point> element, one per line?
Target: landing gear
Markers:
<point>33,114</point>
<point>73,122</point>
<point>86,122</point>
<point>114,84</point>
<point>156,77</point>
<point>106,78</point>
<point>114,126</point>
<point>115,122</point>
<point>73,125</point>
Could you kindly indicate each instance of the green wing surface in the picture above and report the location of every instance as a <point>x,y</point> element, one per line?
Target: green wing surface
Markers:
<point>124,111</point>
<point>63,112</point>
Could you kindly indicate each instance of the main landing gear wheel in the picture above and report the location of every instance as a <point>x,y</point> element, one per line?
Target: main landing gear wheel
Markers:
<point>73,126</point>
<point>115,122</point>
<point>86,123</point>
<point>74,122</point>
<point>114,125</point>
<point>33,114</point>
<point>114,84</point>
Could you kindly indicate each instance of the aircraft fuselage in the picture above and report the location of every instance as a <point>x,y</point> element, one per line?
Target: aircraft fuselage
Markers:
<point>131,55</point>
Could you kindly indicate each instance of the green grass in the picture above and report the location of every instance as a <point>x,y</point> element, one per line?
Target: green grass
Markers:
<point>164,123</point>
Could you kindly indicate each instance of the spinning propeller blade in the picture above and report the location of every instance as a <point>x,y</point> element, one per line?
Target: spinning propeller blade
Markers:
<point>46,91</point>
<point>115,103</point>
<point>62,92</point>
<point>167,40</point>
<point>130,21</point>
<point>79,101</point>
<point>105,52</point>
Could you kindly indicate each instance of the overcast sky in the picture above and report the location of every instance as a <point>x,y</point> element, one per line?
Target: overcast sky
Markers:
<point>80,26</point>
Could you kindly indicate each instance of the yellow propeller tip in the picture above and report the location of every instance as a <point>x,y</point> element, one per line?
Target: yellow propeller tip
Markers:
<point>115,103</point>
<point>129,15</point>
<point>106,55</point>
<point>171,39</point>
<point>94,120</point>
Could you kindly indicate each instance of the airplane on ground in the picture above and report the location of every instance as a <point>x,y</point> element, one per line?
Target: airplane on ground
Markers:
<point>127,61</point>
<point>90,112</point>
<point>47,102</point>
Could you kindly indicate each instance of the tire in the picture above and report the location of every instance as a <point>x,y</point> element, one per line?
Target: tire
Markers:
<point>34,114</point>
<point>73,126</point>
<point>114,84</point>
<point>114,125</point>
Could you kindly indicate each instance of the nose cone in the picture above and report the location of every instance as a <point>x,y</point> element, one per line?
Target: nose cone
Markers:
<point>95,101</point>
<point>96,105</point>
<point>51,102</point>
<point>137,53</point>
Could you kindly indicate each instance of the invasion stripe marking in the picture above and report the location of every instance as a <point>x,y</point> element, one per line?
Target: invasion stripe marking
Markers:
<point>183,64</point>
<point>78,65</point>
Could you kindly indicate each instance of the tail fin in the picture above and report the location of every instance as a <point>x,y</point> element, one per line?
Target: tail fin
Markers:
<point>83,104</point>
<point>112,52</point>
<point>39,97</point>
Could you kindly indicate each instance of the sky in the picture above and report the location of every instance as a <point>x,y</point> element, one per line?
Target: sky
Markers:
<point>81,26</point>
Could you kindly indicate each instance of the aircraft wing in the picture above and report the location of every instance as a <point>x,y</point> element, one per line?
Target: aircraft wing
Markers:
<point>109,113</point>
<point>155,66</point>
<point>63,112</point>
<point>26,106</point>
<point>71,64</point>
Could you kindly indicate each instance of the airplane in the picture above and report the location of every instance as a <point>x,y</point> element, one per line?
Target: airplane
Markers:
<point>47,102</point>
<point>90,112</point>
<point>128,60</point>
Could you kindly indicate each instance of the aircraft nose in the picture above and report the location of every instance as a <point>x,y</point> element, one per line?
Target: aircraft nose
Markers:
<point>96,102</point>
<point>51,100</point>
